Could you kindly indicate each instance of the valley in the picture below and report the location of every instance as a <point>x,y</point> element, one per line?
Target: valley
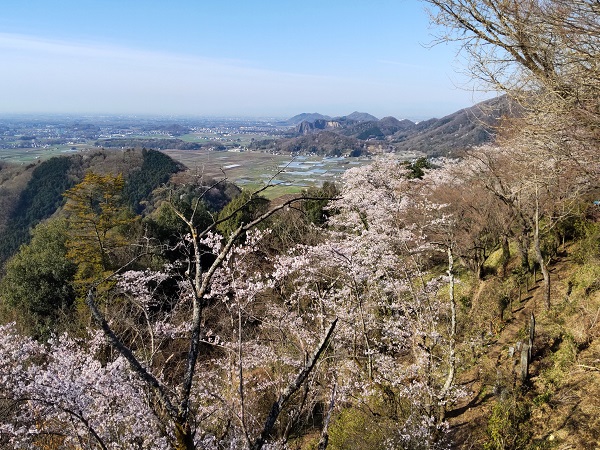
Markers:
<point>296,153</point>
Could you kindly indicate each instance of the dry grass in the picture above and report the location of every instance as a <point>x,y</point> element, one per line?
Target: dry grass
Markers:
<point>563,392</point>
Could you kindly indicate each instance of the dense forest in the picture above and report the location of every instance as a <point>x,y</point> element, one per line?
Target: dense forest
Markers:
<point>447,303</point>
<point>36,193</point>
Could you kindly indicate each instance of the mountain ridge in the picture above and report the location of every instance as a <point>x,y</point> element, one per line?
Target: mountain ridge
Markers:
<point>465,128</point>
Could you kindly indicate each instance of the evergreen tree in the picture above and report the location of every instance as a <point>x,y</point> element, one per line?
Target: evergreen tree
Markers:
<point>38,285</point>
<point>98,224</point>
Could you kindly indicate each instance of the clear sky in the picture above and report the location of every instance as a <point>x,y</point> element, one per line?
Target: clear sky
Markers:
<point>226,58</point>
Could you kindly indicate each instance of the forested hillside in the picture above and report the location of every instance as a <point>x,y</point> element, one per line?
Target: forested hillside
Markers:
<point>27,203</point>
<point>38,201</point>
<point>378,323</point>
<point>452,303</point>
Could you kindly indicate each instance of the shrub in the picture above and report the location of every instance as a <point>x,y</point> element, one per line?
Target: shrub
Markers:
<point>507,425</point>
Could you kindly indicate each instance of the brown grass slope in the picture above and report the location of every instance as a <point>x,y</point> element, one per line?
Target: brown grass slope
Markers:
<point>558,407</point>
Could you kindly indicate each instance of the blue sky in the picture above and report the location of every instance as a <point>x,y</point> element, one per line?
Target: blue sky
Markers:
<point>226,58</point>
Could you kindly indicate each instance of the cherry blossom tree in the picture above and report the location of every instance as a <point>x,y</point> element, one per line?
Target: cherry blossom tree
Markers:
<point>63,395</point>
<point>396,330</point>
<point>233,347</point>
<point>167,368</point>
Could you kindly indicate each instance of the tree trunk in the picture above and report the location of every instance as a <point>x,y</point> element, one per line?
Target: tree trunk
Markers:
<point>325,432</point>
<point>524,250</point>
<point>531,334</point>
<point>183,437</point>
<point>290,390</point>
<point>505,255</point>
<point>481,271</point>
<point>540,258</point>
<point>452,339</point>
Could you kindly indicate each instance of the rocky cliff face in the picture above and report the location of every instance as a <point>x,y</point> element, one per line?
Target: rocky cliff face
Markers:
<point>307,127</point>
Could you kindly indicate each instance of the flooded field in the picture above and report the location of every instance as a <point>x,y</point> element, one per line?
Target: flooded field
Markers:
<point>253,169</point>
<point>248,169</point>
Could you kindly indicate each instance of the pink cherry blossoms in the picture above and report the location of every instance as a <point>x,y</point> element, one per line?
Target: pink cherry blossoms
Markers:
<point>238,352</point>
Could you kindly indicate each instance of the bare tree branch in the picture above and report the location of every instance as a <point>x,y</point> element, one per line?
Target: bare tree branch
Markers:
<point>291,390</point>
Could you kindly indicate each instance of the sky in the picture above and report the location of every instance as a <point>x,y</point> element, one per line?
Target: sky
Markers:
<point>258,58</point>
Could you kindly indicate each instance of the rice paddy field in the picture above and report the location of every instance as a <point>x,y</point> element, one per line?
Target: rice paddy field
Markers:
<point>286,174</point>
<point>254,169</point>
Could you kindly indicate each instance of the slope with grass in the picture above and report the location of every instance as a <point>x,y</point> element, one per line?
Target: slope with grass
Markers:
<point>557,406</point>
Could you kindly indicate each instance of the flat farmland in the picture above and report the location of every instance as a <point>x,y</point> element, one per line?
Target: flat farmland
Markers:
<point>241,139</point>
<point>28,155</point>
<point>251,170</point>
<point>255,169</point>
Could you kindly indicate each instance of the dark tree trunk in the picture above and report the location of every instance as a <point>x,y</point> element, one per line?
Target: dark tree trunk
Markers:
<point>184,439</point>
<point>505,255</point>
<point>524,251</point>
<point>325,432</point>
<point>543,268</point>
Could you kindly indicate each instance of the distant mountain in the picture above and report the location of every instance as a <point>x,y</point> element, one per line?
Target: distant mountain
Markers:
<point>313,117</point>
<point>435,137</point>
<point>306,117</point>
<point>392,122</point>
<point>378,129</point>
<point>360,117</point>
<point>344,122</point>
<point>325,143</point>
<point>466,128</point>
<point>306,127</point>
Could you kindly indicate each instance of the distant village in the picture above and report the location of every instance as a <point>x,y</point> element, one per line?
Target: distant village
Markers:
<point>22,132</point>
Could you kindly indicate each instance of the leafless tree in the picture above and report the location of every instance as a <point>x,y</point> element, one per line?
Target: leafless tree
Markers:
<point>174,401</point>
<point>544,55</point>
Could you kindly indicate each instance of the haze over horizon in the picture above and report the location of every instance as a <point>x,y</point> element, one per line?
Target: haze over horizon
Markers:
<point>227,59</point>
